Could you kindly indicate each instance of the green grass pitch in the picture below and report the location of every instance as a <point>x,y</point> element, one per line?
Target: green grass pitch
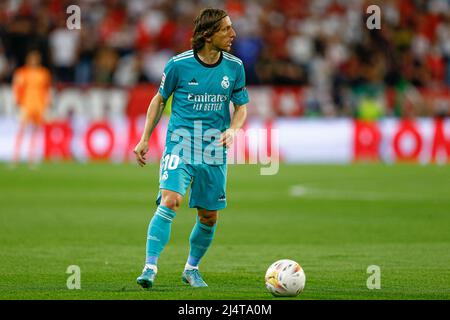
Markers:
<point>334,220</point>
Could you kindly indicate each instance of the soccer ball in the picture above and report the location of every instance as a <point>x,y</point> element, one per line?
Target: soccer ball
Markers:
<point>285,278</point>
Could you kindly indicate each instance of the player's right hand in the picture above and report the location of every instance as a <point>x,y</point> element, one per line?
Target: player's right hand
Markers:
<point>140,150</point>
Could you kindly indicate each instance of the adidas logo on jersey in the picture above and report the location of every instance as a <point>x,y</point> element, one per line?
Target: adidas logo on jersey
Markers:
<point>193,82</point>
<point>222,198</point>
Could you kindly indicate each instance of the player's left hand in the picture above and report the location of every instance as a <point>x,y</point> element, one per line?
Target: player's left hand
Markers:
<point>227,137</point>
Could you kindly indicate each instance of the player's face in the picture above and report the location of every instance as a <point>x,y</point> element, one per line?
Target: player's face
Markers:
<point>33,59</point>
<point>223,38</point>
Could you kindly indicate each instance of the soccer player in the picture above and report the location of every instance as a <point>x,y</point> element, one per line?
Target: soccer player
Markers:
<point>202,82</point>
<point>31,87</point>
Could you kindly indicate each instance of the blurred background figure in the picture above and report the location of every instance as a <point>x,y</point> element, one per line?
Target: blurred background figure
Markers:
<point>31,87</point>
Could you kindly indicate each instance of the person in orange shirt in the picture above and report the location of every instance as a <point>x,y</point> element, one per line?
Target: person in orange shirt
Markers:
<point>31,88</point>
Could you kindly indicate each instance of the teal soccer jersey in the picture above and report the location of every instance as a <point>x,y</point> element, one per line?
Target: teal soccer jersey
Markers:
<point>200,113</point>
<point>201,100</point>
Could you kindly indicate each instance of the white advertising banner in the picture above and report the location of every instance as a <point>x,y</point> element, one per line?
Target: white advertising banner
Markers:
<point>289,140</point>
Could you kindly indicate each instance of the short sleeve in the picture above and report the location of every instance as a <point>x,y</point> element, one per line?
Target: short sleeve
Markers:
<point>169,80</point>
<point>239,95</point>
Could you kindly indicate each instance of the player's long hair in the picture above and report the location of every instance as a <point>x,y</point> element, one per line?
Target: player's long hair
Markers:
<point>205,25</point>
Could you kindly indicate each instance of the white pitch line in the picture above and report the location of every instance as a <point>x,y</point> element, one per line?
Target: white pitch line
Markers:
<point>301,191</point>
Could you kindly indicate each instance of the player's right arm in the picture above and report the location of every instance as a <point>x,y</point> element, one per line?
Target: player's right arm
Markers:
<point>168,84</point>
<point>154,112</point>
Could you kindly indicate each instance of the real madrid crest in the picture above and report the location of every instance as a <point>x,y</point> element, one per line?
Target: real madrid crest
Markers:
<point>225,82</point>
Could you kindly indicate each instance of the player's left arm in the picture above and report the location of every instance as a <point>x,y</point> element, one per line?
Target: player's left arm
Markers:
<point>239,97</point>
<point>238,120</point>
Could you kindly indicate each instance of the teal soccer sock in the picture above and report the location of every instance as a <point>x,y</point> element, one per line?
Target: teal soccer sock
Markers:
<point>200,240</point>
<point>158,233</point>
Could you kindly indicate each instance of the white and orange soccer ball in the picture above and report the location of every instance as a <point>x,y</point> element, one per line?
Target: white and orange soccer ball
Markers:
<point>285,278</point>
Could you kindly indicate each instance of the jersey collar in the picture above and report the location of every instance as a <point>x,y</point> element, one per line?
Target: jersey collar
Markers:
<point>206,64</point>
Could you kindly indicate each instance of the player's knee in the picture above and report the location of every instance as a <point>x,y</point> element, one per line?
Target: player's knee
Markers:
<point>171,201</point>
<point>208,218</point>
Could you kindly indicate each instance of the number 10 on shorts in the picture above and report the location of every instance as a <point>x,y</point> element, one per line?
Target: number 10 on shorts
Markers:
<point>169,162</point>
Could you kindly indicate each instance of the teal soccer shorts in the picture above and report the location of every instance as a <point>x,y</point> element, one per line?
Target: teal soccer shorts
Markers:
<point>208,182</point>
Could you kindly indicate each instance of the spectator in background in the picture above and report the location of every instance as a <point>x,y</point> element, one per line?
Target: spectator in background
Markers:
<point>105,63</point>
<point>86,52</point>
<point>31,87</point>
<point>4,66</point>
<point>153,62</point>
<point>64,51</point>
<point>370,106</point>
<point>443,35</point>
<point>18,38</point>
<point>130,71</point>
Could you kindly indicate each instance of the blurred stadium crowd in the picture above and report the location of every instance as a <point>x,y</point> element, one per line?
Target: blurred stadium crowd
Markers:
<point>323,45</point>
